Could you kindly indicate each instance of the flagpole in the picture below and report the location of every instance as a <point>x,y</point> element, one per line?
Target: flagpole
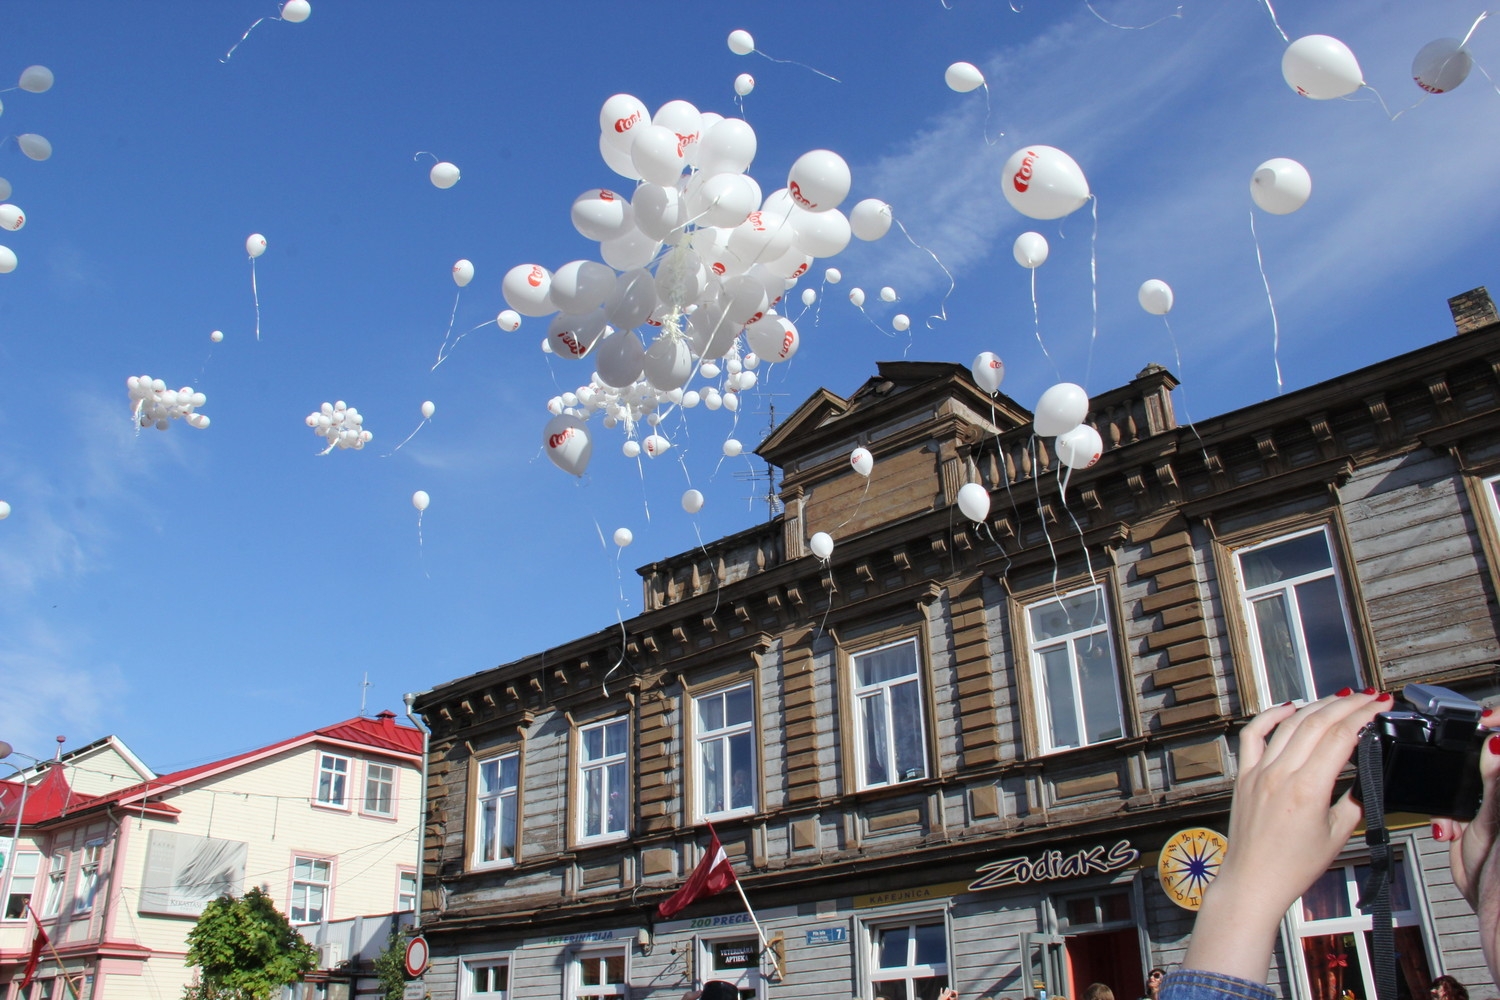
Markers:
<point>62,972</point>
<point>764,945</point>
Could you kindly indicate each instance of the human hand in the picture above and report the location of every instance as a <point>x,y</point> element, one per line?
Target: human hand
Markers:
<point>1474,851</point>
<point>1283,833</point>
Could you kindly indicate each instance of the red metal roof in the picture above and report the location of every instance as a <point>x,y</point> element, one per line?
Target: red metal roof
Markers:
<point>47,797</point>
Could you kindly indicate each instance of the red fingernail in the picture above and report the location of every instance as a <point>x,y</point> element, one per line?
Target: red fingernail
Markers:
<point>1344,692</point>
<point>1495,745</point>
<point>1384,696</point>
<point>1487,713</point>
<point>1437,832</point>
<point>1369,690</point>
<point>1287,704</point>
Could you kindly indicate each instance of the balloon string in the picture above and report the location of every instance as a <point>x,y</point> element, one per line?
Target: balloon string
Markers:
<point>1133,27</point>
<point>855,512</point>
<point>942,313</point>
<point>255,291</point>
<point>1381,100</point>
<point>823,625</point>
<point>792,62</point>
<point>990,532</point>
<point>1093,289</point>
<point>225,57</point>
<point>135,415</point>
<point>441,356</point>
<point>1470,33</point>
<point>1277,23</point>
<point>987,110</point>
<point>421,153</point>
<point>421,551</point>
<point>408,438</point>
<point>459,339</point>
<point>604,682</point>
<point>1183,375</point>
<point>1275,324</point>
<point>1488,77</point>
<point>1036,319</point>
<point>1042,516</point>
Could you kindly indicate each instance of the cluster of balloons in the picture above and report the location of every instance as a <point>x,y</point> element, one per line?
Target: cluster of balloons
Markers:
<point>151,402</point>
<point>1323,68</point>
<point>34,80</point>
<point>341,425</point>
<point>694,257</point>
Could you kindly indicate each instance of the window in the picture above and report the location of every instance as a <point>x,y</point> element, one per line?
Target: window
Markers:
<point>22,884</point>
<point>380,786</point>
<point>888,702</point>
<point>88,878</point>
<point>908,961</point>
<point>406,892</point>
<point>735,961</point>
<point>310,880</point>
<point>598,975</point>
<point>1301,635</point>
<point>1335,936</point>
<point>602,779</point>
<point>1073,671</point>
<point>495,806</point>
<point>45,989</point>
<point>489,978</point>
<point>57,877</point>
<point>725,735</point>
<point>333,779</point>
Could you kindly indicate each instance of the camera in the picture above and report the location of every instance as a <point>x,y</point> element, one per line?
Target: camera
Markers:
<point>1429,748</point>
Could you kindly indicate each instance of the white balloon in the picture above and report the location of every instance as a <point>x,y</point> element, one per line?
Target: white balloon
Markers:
<point>821,544</point>
<point>528,290</point>
<point>963,77</point>
<point>655,446</point>
<point>901,322</point>
<point>887,294</point>
<point>255,244</point>
<point>870,219</point>
<point>1280,186</point>
<point>7,260</point>
<point>744,84</point>
<point>573,335</point>
<point>620,359</point>
<point>668,363</point>
<point>619,115</point>
<point>988,371</point>
<point>657,154</point>
<point>631,449</point>
<point>1042,182</point>
<point>724,200</point>
<point>296,11</point>
<point>566,442</point>
<point>1030,250</point>
<point>1060,409</point>
<point>36,79</point>
<point>692,501</point>
<point>623,537</point>
<point>657,210</point>
<point>600,214</point>
<point>443,175</point>
<point>428,409</point>
<point>741,42</point>
<point>731,401</point>
<point>633,299</point>
<point>420,500</point>
<point>5,189</point>
<point>821,234</point>
<point>1080,447</point>
<point>862,461</point>
<point>1321,67</point>
<point>818,181</point>
<point>630,250</point>
<point>463,273</point>
<point>216,336</point>
<point>11,218</point>
<point>728,147</point>
<point>4,510</point>
<point>1155,296</point>
<point>34,146</point>
<point>857,297</point>
<point>733,447</point>
<point>833,276</point>
<point>581,285</point>
<point>508,320</point>
<point>974,501</point>
<point>616,155</point>
<point>1441,66</point>
<point>762,236</point>
<point>809,296</point>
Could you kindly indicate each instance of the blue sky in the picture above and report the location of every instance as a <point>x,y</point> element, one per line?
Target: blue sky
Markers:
<point>203,592</point>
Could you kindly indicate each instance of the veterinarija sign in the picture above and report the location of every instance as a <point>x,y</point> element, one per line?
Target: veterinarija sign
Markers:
<point>1050,866</point>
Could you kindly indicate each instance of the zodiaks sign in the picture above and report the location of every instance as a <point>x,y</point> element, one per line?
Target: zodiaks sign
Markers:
<point>1022,178</point>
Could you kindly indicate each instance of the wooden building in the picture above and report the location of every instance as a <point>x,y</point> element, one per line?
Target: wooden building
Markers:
<point>954,752</point>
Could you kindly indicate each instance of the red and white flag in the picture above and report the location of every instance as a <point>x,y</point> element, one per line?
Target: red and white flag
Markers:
<point>36,950</point>
<point>713,875</point>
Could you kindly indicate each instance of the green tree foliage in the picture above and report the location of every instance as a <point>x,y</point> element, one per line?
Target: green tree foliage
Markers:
<point>390,965</point>
<point>245,949</point>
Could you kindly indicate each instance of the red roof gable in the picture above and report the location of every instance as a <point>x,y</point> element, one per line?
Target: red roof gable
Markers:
<point>45,799</point>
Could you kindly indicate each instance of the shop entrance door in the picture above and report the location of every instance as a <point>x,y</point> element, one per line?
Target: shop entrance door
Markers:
<point>1110,957</point>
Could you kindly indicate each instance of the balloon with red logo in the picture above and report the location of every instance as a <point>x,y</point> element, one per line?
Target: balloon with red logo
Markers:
<point>988,371</point>
<point>1441,65</point>
<point>862,461</point>
<point>508,320</point>
<point>818,181</point>
<point>657,154</point>
<point>1042,182</point>
<point>573,335</point>
<point>1321,67</point>
<point>463,273</point>
<point>619,116</point>
<point>773,338</point>
<point>1080,447</point>
<point>600,214</point>
<point>565,439</point>
<point>527,289</point>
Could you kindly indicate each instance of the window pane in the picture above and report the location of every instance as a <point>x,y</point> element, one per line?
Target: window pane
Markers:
<point>710,713</point>
<point>1333,966</point>
<point>1069,614</point>
<point>739,706</point>
<point>876,739</point>
<point>510,771</point>
<point>906,712</point>
<point>614,968</point>
<point>1328,897</point>
<point>1059,696</point>
<point>1081,911</point>
<point>1274,627</point>
<point>1327,636</point>
<point>617,798</point>
<point>593,795</point>
<point>894,989</point>
<point>887,664</point>
<point>614,738</point>
<point>489,776</point>
<point>893,947</point>
<point>488,817</point>
<point>1286,560</point>
<point>742,790</point>
<point>712,757</point>
<point>1101,696</point>
<point>932,947</point>
<point>593,743</point>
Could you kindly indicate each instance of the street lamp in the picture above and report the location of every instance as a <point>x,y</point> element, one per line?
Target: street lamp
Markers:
<point>15,837</point>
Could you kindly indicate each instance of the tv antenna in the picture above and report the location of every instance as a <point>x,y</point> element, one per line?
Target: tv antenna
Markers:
<point>770,497</point>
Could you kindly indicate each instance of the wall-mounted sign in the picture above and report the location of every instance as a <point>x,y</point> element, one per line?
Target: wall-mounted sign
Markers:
<point>1050,866</point>
<point>828,935</point>
<point>1189,861</point>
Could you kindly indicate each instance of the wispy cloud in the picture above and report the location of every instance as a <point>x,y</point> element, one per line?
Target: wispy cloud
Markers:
<point>54,686</point>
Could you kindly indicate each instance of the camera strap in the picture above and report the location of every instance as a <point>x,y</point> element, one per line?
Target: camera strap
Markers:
<point>1375,894</point>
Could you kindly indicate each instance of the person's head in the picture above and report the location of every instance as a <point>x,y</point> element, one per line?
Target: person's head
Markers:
<point>1098,991</point>
<point>717,989</point>
<point>1448,988</point>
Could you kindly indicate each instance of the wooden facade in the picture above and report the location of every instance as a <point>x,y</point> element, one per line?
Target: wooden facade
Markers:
<point>970,815</point>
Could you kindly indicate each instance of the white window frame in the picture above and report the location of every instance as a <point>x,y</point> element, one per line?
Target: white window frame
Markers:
<point>752,977</point>
<point>1287,590</point>
<point>406,899</point>
<point>88,877</point>
<point>310,884</point>
<point>605,765</point>
<point>506,801</point>
<point>338,780</point>
<point>469,964</point>
<point>720,741</point>
<point>577,990</point>
<point>879,696</point>
<point>28,865</point>
<point>57,880</point>
<point>909,972</point>
<point>389,812</point>
<point>1095,634</point>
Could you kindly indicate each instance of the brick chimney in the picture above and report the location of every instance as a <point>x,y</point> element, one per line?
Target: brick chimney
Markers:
<point>1473,310</point>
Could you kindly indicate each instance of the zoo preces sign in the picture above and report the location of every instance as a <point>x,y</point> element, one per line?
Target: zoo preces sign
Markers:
<point>1049,866</point>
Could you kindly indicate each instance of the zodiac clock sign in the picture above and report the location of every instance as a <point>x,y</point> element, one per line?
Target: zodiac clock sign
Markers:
<point>1189,861</point>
